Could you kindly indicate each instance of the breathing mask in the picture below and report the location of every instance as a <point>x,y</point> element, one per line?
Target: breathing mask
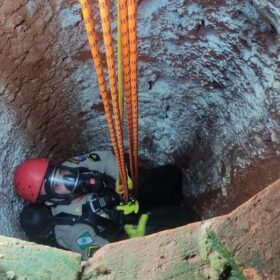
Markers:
<point>62,183</point>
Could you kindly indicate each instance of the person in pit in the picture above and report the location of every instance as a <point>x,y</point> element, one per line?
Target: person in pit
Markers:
<point>78,206</point>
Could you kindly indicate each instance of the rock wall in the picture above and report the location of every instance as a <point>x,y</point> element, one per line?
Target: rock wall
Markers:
<point>208,88</point>
<point>21,260</point>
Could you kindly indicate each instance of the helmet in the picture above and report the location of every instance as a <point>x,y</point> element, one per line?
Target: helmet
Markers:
<point>29,177</point>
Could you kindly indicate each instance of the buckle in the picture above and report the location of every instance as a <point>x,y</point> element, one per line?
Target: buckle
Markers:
<point>96,204</point>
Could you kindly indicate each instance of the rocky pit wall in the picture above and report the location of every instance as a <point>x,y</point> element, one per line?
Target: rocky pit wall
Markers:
<point>209,91</point>
<point>244,244</point>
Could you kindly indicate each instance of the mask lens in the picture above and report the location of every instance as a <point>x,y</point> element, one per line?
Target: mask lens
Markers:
<point>70,181</point>
<point>65,180</point>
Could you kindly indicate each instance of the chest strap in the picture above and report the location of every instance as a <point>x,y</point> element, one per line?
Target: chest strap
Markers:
<point>107,200</point>
<point>90,214</point>
<point>70,219</point>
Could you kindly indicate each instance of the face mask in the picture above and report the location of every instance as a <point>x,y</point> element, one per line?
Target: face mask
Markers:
<point>64,182</point>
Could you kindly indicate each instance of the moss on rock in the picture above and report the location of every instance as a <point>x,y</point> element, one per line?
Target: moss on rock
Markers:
<point>222,263</point>
<point>36,262</point>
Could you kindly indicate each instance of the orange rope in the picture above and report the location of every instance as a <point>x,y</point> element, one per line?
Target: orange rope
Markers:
<point>132,29</point>
<point>127,87</point>
<point>92,37</point>
<point>108,43</point>
<point>127,13</point>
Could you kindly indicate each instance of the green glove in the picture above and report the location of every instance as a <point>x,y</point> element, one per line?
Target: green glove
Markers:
<point>139,230</point>
<point>119,187</point>
<point>130,207</point>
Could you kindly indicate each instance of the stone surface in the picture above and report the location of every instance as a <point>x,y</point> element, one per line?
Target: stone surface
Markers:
<point>270,9</point>
<point>252,232</point>
<point>26,260</point>
<point>208,91</point>
<point>244,185</point>
<point>244,243</point>
<point>202,250</point>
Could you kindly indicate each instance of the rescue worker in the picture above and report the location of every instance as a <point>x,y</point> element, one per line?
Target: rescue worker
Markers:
<point>83,234</point>
<point>86,211</point>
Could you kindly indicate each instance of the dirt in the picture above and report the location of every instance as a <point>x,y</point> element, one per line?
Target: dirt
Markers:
<point>251,233</point>
<point>245,184</point>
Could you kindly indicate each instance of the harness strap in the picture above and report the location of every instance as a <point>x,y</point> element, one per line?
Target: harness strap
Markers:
<point>100,202</point>
<point>89,213</point>
<point>93,220</point>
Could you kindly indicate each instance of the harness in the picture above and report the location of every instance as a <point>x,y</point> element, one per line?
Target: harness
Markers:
<point>90,216</point>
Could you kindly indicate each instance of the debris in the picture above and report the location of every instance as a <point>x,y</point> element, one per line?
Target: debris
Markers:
<point>11,275</point>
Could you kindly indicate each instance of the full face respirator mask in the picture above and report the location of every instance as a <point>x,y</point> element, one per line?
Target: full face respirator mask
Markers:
<point>62,183</point>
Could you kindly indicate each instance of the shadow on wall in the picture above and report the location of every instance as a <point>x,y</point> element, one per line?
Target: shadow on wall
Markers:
<point>39,98</point>
<point>36,80</point>
<point>244,183</point>
<point>192,159</point>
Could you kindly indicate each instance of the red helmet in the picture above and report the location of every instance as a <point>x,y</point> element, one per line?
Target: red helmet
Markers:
<point>29,177</point>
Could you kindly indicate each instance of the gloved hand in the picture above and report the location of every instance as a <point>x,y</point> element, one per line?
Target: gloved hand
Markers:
<point>131,207</point>
<point>119,187</point>
<point>137,231</point>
